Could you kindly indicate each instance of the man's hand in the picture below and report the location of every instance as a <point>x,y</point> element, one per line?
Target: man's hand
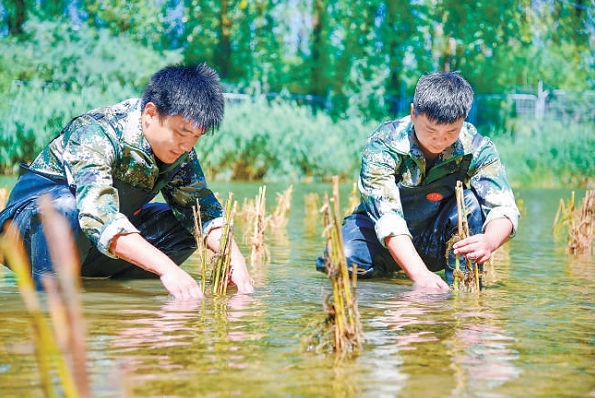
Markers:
<point>429,281</point>
<point>479,247</point>
<point>181,285</point>
<point>136,250</point>
<point>402,249</point>
<point>476,248</point>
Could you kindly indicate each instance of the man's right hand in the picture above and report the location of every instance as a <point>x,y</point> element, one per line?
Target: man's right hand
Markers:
<point>430,281</point>
<point>402,250</point>
<point>181,285</point>
<point>136,250</point>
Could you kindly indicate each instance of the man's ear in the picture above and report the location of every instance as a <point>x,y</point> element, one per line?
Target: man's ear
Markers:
<point>412,112</point>
<point>151,109</point>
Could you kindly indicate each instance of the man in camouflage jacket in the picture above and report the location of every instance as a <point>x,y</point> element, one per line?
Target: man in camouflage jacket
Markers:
<point>407,182</point>
<point>105,168</point>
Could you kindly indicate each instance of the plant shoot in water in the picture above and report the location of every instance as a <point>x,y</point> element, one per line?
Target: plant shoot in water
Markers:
<point>341,330</point>
<point>580,223</point>
<point>466,277</point>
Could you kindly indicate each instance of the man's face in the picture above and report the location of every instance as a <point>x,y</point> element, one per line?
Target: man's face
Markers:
<point>432,137</point>
<point>169,137</point>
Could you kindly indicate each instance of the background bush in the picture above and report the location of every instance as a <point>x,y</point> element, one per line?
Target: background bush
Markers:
<point>54,72</point>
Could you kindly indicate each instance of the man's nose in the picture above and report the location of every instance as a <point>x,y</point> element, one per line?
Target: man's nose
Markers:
<point>185,146</point>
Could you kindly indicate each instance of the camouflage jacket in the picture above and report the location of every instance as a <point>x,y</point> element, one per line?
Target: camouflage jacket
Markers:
<point>392,149</point>
<point>105,149</point>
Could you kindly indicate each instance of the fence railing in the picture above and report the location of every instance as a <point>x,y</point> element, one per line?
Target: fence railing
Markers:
<point>488,109</point>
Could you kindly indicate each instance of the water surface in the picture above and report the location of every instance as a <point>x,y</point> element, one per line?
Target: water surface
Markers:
<point>531,331</point>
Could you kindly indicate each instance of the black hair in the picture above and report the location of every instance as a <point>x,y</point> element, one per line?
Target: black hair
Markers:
<point>193,92</point>
<point>443,97</point>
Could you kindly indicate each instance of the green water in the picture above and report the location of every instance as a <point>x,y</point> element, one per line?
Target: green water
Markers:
<point>530,333</point>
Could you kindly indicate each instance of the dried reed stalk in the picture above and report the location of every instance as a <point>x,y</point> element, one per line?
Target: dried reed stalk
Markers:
<point>201,246</point>
<point>342,320</point>
<point>354,199</point>
<point>280,215</point>
<point>64,345</point>
<point>222,269</point>
<point>65,259</point>
<point>580,223</point>
<point>311,206</point>
<point>259,220</point>
<point>466,281</point>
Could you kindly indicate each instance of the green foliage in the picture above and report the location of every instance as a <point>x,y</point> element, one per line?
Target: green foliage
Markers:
<point>70,56</point>
<point>281,142</point>
<point>56,71</point>
<point>353,51</point>
<point>549,154</point>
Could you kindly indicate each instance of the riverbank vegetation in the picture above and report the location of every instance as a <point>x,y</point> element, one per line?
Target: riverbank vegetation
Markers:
<point>53,70</point>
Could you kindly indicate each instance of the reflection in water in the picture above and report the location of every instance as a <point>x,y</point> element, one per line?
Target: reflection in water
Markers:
<point>534,319</point>
<point>457,337</point>
<point>481,351</point>
<point>177,337</point>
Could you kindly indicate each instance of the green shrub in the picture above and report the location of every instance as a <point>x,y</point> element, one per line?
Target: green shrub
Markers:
<point>550,154</point>
<point>281,141</point>
<point>58,70</point>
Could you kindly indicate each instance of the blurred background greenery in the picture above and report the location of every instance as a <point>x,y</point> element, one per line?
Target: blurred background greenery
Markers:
<point>309,79</point>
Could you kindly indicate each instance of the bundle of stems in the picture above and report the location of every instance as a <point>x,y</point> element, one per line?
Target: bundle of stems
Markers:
<point>222,268</point>
<point>311,205</point>
<point>64,345</point>
<point>201,246</point>
<point>258,250</point>
<point>580,223</point>
<point>468,280</point>
<point>280,215</point>
<point>341,306</point>
<point>354,199</point>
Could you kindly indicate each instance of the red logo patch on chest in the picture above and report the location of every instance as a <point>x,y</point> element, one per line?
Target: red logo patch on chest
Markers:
<point>434,197</point>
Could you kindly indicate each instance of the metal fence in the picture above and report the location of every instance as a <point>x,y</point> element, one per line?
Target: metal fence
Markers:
<point>487,110</point>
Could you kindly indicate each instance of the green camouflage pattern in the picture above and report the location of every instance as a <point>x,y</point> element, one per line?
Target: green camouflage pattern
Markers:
<point>391,154</point>
<point>106,147</point>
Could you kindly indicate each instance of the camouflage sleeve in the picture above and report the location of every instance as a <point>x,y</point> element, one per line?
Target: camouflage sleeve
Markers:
<point>489,180</point>
<point>88,158</point>
<point>380,194</point>
<point>186,188</point>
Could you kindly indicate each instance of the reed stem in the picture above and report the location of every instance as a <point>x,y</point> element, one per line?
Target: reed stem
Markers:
<point>202,249</point>
<point>471,269</point>
<point>222,267</point>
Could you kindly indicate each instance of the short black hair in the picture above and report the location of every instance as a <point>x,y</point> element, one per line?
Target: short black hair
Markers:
<point>191,91</point>
<point>443,97</point>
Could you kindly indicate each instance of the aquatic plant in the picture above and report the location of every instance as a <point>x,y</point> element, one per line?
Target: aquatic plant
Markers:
<point>280,214</point>
<point>201,246</point>
<point>222,259</point>
<point>63,345</point>
<point>311,208</point>
<point>219,262</point>
<point>257,221</point>
<point>579,222</point>
<point>465,280</point>
<point>341,331</point>
<point>354,199</point>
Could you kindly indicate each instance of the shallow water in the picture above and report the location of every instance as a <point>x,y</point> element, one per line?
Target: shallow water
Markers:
<point>530,332</point>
